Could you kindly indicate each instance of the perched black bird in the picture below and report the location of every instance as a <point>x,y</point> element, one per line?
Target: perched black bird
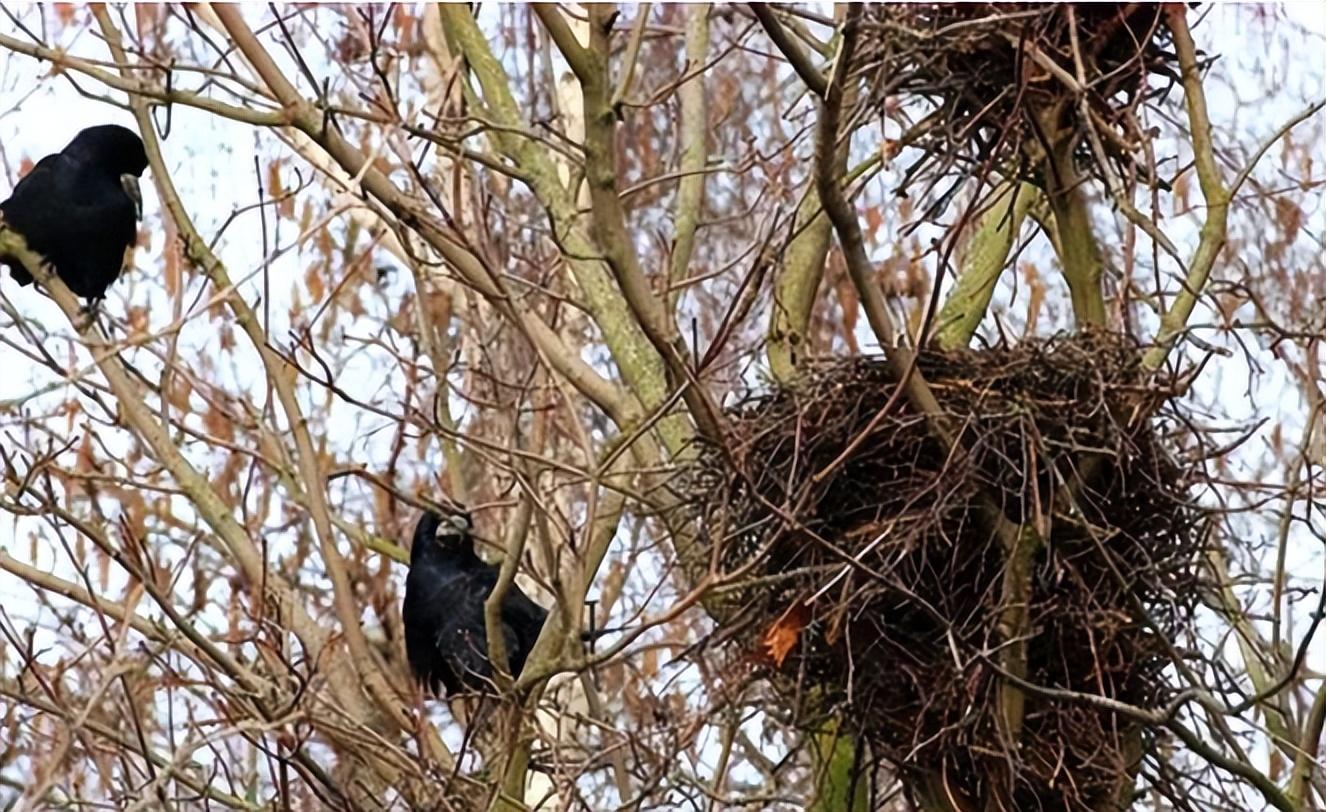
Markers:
<point>445,635</point>
<point>80,207</point>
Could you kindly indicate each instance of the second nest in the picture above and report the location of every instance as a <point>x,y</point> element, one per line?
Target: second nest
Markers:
<point>879,583</point>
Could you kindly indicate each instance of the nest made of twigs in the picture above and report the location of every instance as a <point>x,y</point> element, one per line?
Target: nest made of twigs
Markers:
<point>1001,79</point>
<point>889,585</point>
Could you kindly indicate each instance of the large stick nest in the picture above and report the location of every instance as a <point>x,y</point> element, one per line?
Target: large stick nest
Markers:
<point>877,582</point>
<point>1000,79</point>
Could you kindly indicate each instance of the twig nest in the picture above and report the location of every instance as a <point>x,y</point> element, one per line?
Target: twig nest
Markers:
<point>1001,81</point>
<point>878,583</point>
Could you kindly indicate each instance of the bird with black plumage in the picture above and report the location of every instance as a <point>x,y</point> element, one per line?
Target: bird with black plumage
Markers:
<point>446,639</point>
<point>79,208</point>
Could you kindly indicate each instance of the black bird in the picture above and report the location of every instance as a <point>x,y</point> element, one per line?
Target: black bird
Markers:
<point>79,208</point>
<point>446,639</point>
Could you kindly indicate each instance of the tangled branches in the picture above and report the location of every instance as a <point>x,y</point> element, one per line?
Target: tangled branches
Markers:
<point>1008,82</point>
<point>892,587</point>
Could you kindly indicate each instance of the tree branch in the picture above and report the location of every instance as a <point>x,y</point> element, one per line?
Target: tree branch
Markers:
<point>64,60</point>
<point>790,48</point>
<point>608,228</point>
<point>641,366</point>
<point>694,132</point>
<point>1079,252</point>
<point>992,238</point>
<point>1213,232</point>
<point>282,377</point>
<point>835,204</point>
<point>576,55</point>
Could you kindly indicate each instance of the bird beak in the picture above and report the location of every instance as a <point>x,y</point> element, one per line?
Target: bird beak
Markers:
<point>130,184</point>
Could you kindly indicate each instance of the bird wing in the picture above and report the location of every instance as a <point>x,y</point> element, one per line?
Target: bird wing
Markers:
<point>462,641</point>
<point>438,614</point>
<point>33,191</point>
<point>520,611</point>
<point>462,645</point>
<point>27,205</point>
<point>526,619</point>
<point>521,619</point>
<point>79,217</point>
<point>40,173</point>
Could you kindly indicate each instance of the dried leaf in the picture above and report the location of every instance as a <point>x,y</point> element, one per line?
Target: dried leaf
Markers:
<point>148,18</point>
<point>224,483</point>
<point>71,410</point>
<point>874,219</point>
<point>848,300</point>
<point>314,282</point>
<point>784,633</point>
<point>1289,217</point>
<point>87,459</point>
<point>1182,186</point>
<point>64,12</point>
<point>406,26</point>
<point>179,391</point>
<point>1031,274</point>
<point>138,321</point>
<point>383,506</point>
<point>218,424</point>
<point>275,188</point>
<point>103,570</point>
<point>174,258</point>
<point>133,508</point>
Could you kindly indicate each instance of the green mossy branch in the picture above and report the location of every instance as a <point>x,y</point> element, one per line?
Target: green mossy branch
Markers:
<point>987,254</point>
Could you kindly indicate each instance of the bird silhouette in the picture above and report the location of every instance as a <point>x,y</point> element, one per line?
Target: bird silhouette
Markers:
<point>446,638</point>
<point>79,208</point>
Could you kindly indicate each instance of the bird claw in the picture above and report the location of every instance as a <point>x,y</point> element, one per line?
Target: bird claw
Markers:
<point>88,313</point>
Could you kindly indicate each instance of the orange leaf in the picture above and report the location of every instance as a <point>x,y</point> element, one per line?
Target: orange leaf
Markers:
<point>406,25</point>
<point>149,18</point>
<point>780,637</point>
<point>179,392</point>
<point>87,458</point>
<point>1180,194</point>
<point>849,301</point>
<point>71,409</point>
<point>874,219</point>
<point>138,319</point>
<point>275,188</point>
<point>218,424</point>
<point>313,281</point>
<point>133,508</point>
<point>174,251</point>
